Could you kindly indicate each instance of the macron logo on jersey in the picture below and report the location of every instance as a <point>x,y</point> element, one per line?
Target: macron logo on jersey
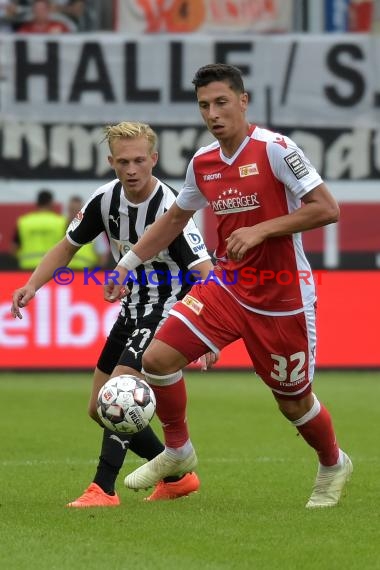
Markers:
<point>214,176</point>
<point>248,170</point>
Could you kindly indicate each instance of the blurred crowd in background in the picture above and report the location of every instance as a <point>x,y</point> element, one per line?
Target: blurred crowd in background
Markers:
<point>56,16</point>
<point>37,231</point>
<point>184,16</point>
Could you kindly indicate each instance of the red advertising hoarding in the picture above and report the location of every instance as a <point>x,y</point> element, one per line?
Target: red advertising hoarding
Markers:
<point>64,327</point>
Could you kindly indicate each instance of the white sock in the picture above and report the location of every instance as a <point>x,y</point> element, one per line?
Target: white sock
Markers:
<point>340,458</point>
<point>180,452</point>
<point>337,465</point>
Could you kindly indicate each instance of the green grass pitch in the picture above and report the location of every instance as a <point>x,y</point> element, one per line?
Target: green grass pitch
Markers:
<point>256,477</point>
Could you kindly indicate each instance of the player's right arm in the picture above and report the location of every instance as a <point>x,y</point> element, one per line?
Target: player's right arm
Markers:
<point>155,239</point>
<point>59,256</point>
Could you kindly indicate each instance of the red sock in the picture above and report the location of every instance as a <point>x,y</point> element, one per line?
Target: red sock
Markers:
<point>319,434</point>
<point>171,410</point>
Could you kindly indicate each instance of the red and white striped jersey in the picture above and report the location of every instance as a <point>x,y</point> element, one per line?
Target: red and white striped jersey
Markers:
<point>265,178</point>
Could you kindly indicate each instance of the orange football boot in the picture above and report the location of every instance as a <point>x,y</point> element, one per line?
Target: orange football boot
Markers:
<point>94,496</point>
<point>163,491</point>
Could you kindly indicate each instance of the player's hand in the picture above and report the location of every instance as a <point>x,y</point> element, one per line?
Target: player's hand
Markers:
<point>207,361</point>
<point>21,298</point>
<point>241,240</point>
<point>114,291</point>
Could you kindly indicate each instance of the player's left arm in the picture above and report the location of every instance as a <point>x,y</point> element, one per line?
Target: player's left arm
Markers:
<point>319,208</point>
<point>303,183</point>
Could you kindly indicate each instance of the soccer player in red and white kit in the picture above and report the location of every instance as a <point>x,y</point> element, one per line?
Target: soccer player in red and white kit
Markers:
<point>264,192</point>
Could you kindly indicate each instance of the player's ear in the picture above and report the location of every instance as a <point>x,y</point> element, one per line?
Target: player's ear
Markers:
<point>110,160</point>
<point>154,158</point>
<point>244,100</point>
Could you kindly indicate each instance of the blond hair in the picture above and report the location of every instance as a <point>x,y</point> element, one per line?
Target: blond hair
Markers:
<point>131,130</point>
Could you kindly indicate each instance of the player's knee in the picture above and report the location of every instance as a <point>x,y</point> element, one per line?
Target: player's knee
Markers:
<point>293,409</point>
<point>163,379</point>
<point>152,362</point>
<point>161,359</point>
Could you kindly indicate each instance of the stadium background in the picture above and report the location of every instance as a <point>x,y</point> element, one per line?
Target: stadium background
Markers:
<point>313,72</point>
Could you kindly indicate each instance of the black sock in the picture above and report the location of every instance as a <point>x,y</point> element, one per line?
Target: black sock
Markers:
<point>146,444</point>
<point>112,455</point>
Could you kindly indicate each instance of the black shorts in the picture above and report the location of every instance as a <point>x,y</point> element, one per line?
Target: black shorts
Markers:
<point>126,343</point>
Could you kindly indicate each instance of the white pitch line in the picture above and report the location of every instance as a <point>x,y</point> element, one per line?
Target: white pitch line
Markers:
<point>216,460</point>
<point>41,462</point>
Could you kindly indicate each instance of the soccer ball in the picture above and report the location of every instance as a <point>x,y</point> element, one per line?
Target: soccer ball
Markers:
<point>126,404</point>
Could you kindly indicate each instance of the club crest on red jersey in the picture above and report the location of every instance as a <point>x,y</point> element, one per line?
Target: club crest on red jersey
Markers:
<point>248,170</point>
<point>193,304</point>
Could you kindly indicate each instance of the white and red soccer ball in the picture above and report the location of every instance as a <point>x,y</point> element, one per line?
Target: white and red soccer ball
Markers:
<point>126,404</point>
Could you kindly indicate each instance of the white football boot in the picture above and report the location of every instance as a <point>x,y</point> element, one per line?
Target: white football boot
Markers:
<point>161,466</point>
<point>329,484</point>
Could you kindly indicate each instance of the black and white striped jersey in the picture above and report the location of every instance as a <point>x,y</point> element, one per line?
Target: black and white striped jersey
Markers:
<point>159,282</point>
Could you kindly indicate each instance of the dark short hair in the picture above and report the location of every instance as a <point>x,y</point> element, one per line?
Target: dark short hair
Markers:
<point>44,198</point>
<point>219,72</point>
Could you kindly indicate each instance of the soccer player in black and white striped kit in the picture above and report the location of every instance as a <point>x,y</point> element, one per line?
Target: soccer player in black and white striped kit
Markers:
<point>124,209</point>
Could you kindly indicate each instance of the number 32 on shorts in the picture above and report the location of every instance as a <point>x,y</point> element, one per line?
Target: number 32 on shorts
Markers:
<point>288,369</point>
